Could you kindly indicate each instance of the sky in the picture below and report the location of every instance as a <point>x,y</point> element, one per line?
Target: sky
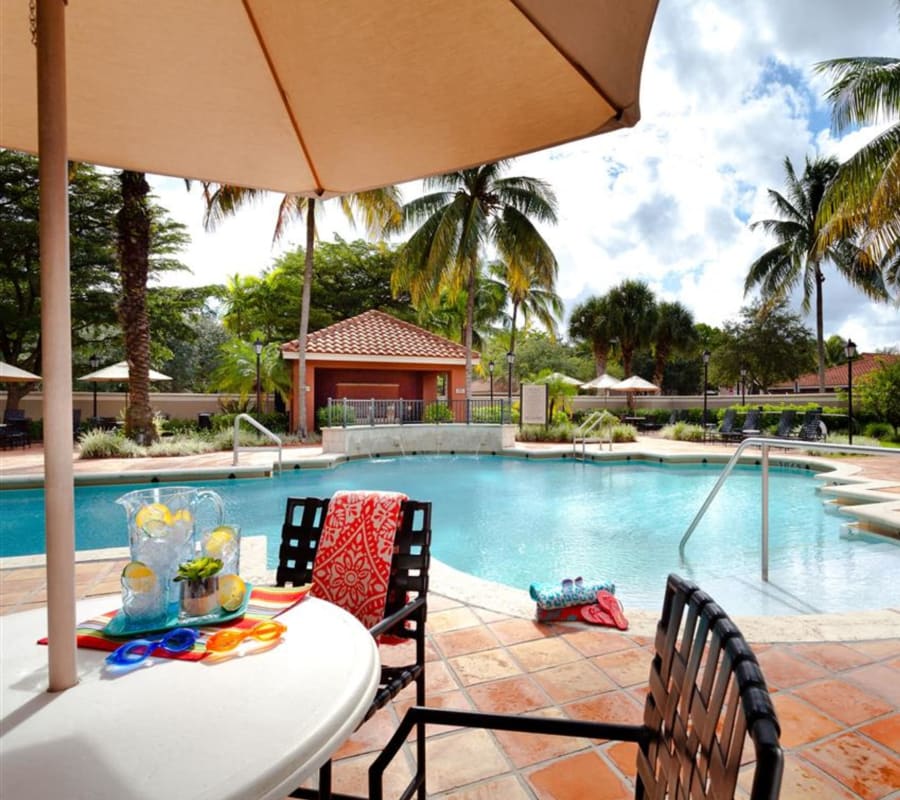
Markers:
<point>727,93</point>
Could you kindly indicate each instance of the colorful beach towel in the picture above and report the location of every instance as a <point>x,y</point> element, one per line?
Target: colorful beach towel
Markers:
<point>265,602</point>
<point>579,592</point>
<point>353,559</point>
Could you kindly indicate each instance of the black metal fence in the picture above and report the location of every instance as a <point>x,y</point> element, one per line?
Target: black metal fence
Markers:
<point>344,412</point>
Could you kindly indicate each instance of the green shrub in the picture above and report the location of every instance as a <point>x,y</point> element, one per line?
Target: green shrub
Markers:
<point>551,433</point>
<point>683,432</point>
<point>180,427</point>
<point>879,430</point>
<point>183,445</point>
<point>340,415</point>
<point>274,422</point>
<point>438,412</point>
<point>107,444</point>
<point>488,414</point>
<point>623,433</point>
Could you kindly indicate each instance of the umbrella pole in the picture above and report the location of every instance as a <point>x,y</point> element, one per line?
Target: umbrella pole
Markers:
<point>57,343</point>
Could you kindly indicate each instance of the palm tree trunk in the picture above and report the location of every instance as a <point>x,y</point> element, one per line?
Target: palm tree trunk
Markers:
<point>134,254</point>
<point>662,356</point>
<point>820,328</point>
<point>470,324</point>
<point>512,328</point>
<point>601,350</point>
<point>302,422</point>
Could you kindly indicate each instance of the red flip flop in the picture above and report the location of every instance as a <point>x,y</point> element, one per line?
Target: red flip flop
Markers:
<point>597,616</point>
<point>610,604</point>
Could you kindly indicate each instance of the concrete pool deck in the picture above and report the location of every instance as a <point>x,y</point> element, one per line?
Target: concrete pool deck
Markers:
<point>835,682</point>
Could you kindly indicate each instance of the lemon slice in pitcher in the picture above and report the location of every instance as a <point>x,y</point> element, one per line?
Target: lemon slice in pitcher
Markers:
<point>138,577</point>
<point>154,519</point>
<point>231,592</point>
<point>220,541</point>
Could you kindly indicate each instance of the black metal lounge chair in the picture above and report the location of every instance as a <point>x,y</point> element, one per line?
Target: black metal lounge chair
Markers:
<point>16,432</point>
<point>707,694</point>
<point>726,430</point>
<point>406,607</point>
<point>785,424</point>
<point>811,427</point>
<point>751,426</point>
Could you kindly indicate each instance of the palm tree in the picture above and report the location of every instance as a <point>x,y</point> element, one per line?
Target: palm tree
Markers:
<point>590,322</point>
<point>133,223</point>
<point>865,193</point>
<point>448,318</point>
<point>376,207</point>
<point>531,288</point>
<point>796,258</point>
<point>632,314</point>
<point>463,212</point>
<point>674,332</point>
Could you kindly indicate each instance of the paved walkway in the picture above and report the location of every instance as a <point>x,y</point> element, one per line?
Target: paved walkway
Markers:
<point>838,701</point>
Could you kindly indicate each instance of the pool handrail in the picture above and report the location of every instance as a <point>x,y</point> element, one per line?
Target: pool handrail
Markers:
<point>236,447</point>
<point>594,420</point>
<point>764,444</point>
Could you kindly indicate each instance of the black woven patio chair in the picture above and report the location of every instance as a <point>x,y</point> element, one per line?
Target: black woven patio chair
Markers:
<point>707,694</point>
<point>811,428</point>
<point>406,607</point>
<point>751,426</point>
<point>785,424</point>
<point>727,430</point>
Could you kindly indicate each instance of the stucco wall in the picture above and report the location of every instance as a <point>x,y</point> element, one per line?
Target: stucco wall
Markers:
<point>381,439</point>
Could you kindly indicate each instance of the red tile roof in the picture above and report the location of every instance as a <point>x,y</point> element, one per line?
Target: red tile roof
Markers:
<point>375,333</point>
<point>836,377</point>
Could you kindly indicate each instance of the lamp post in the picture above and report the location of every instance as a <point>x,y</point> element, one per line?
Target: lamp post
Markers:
<point>510,360</point>
<point>94,361</point>
<point>258,347</point>
<point>743,386</point>
<point>850,352</point>
<point>705,378</point>
<point>491,372</point>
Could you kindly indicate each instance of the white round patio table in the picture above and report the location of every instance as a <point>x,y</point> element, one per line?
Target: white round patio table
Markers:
<point>249,727</point>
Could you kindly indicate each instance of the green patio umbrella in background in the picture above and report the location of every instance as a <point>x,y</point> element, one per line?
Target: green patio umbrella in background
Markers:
<point>297,96</point>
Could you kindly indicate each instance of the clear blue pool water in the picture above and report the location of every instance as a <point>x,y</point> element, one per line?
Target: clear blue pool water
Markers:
<point>516,521</point>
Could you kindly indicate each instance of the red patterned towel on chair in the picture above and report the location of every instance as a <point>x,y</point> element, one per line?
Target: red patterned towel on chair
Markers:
<point>353,559</point>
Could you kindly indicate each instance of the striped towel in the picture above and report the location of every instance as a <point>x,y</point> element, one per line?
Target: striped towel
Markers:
<point>353,559</point>
<point>265,602</point>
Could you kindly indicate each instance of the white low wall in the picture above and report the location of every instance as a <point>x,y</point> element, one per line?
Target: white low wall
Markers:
<point>366,440</point>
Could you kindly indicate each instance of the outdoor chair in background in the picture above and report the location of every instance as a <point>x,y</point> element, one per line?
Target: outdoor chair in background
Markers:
<point>751,426</point>
<point>811,427</point>
<point>17,431</point>
<point>726,430</point>
<point>406,607</point>
<point>785,424</point>
<point>706,695</point>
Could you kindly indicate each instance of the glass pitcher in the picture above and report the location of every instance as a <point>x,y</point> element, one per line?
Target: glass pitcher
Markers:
<point>162,530</point>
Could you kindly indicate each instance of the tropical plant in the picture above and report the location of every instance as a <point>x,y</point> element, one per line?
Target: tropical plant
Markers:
<point>591,322</point>
<point>461,214</point>
<point>376,207</point>
<point>559,393</point>
<point>864,197</point>
<point>879,393</point>
<point>236,373</point>
<point>632,318</point>
<point>673,333</point>
<point>795,260</point>
<point>531,287</point>
<point>198,569</point>
<point>447,316</point>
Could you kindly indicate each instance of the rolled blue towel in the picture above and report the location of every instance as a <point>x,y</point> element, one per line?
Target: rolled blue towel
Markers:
<point>553,595</point>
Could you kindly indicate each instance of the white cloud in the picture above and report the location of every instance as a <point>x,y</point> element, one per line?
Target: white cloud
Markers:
<point>728,92</point>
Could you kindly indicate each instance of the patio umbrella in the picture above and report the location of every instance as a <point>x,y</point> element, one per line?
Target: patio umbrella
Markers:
<point>634,385</point>
<point>118,373</point>
<point>555,377</point>
<point>603,381</point>
<point>295,96</point>
<point>11,374</point>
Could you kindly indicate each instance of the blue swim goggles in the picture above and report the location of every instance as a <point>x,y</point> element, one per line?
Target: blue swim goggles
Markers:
<point>178,640</point>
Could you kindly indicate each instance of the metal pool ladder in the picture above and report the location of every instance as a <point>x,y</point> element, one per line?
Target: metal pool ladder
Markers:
<point>764,444</point>
<point>236,447</point>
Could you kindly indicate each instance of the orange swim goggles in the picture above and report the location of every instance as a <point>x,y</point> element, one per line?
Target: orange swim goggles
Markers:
<point>266,631</point>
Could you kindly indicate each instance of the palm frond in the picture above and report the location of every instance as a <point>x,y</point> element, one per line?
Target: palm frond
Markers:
<point>865,90</point>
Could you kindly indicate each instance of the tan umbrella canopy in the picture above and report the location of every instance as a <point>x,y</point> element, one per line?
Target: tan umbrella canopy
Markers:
<point>11,374</point>
<point>554,377</point>
<point>299,96</point>
<point>118,373</point>
<point>632,386</point>
<point>309,96</point>
<point>603,381</point>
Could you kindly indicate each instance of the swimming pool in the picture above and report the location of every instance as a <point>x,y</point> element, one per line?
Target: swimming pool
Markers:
<point>515,521</point>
